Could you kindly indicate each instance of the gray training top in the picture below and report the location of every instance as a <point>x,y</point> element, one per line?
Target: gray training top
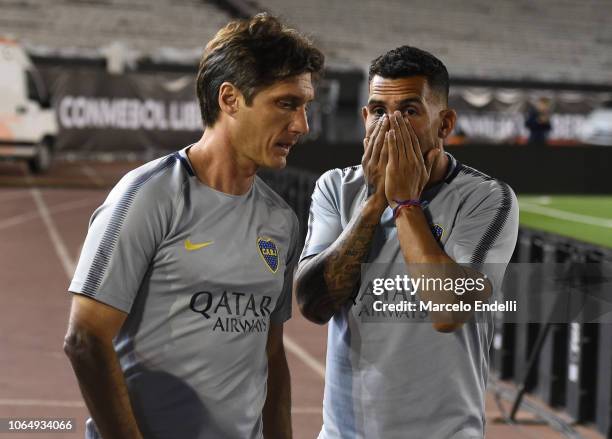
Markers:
<point>396,378</point>
<point>201,274</point>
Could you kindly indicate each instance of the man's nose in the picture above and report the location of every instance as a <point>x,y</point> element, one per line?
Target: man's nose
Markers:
<point>299,124</point>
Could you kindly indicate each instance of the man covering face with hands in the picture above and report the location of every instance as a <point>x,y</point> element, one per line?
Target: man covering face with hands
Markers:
<point>410,204</point>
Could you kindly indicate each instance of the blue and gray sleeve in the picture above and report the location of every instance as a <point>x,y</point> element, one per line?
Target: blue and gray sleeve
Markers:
<point>122,239</point>
<point>485,235</point>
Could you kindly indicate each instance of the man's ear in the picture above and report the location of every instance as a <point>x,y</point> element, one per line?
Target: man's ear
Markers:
<point>448,119</point>
<point>364,114</point>
<point>229,98</point>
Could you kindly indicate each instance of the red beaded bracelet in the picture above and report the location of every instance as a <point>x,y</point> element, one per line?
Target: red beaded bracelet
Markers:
<point>405,203</point>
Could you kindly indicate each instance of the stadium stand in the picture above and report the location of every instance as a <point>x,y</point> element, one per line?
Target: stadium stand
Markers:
<point>547,40</point>
<point>176,29</point>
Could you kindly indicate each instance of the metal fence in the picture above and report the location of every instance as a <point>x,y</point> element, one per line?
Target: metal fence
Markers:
<point>567,365</point>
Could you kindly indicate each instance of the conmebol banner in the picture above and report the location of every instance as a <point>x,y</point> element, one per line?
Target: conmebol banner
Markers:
<point>97,111</point>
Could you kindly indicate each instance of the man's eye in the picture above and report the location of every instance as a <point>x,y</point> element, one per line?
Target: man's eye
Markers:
<point>286,104</point>
<point>410,111</point>
<point>379,112</point>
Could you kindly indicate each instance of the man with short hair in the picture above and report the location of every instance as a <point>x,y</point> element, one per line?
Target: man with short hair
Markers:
<point>184,280</point>
<point>411,205</point>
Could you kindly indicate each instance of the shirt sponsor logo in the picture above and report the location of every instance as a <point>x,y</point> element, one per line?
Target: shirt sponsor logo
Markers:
<point>269,253</point>
<point>363,306</point>
<point>233,311</point>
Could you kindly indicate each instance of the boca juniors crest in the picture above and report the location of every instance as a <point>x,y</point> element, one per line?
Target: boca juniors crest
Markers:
<point>269,252</point>
<point>437,231</point>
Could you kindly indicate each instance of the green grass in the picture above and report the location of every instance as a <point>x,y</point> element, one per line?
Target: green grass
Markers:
<point>585,218</point>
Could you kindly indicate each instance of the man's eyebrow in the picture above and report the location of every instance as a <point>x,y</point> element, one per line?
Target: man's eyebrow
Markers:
<point>295,98</point>
<point>401,103</point>
<point>373,102</point>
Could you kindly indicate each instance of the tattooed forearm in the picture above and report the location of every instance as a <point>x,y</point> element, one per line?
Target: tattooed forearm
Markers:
<point>328,280</point>
<point>343,266</point>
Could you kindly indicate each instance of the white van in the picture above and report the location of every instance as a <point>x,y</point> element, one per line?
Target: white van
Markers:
<point>28,125</point>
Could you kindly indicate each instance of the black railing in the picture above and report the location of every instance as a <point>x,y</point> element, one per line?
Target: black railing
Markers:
<point>567,365</point>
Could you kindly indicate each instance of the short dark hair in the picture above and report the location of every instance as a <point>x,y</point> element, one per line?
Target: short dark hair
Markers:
<point>252,54</point>
<point>409,61</point>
